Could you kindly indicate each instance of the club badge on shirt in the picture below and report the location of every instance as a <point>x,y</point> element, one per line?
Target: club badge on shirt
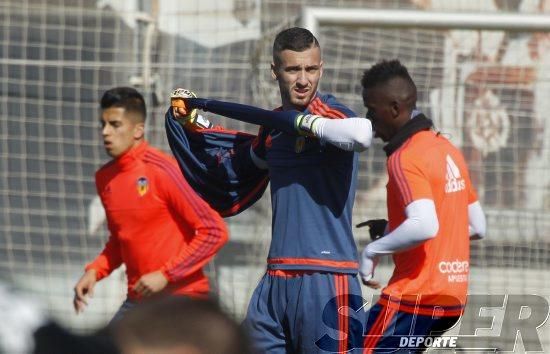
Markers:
<point>142,186</point>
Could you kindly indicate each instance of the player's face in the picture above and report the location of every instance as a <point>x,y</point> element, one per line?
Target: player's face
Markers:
<point>380,113</point>
<point>298,74</point>
<point>120,133</point>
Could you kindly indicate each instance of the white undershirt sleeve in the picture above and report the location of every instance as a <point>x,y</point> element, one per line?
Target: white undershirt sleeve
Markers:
<point>477,221</point>
<point>351,134</point>
<point>420,225</point>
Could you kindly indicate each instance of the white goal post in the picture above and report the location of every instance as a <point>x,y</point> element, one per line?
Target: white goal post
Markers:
<point>478,73</point>
<point>313,16</point>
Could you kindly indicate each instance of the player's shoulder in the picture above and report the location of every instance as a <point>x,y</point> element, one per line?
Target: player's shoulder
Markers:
<point>158,153</point>
<point>157,159</point>
<point>105,169</point>
<point>327,105</point>
<point>417,150</point>
<point>430,148</point>
<point>422,144</point>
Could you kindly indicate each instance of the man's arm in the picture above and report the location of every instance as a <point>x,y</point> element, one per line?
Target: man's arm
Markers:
<point>407,174</point>
<point>477,221</point>
<point>210,232</point>
<point>421,224</point>
<point>352,134</point>
<point>108,260</point>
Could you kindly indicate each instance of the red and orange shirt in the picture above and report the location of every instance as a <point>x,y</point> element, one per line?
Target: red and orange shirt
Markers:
<point>428,166</point>
<point>156,221</point>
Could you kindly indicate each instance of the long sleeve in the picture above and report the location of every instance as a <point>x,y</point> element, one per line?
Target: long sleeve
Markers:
<point>284,121</point>
<point>108,260</point>
<point>218,165</point>
<point>477,221</point>
<point>111,257</point>
<point>210,232</point>
<point>420,225</point>
<point>352,134</point>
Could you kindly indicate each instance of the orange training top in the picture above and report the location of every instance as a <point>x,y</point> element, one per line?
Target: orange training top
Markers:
<point>157,222</point>
<point>428,166</point>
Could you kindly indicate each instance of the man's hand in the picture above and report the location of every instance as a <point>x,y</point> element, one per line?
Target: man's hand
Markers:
<point>305,122</point>
<point>366,269</point>
<point>377,227</point>
<point>84,289</point>
<point>178,103</point>
<point>150,283</point>
<point>183,114</point>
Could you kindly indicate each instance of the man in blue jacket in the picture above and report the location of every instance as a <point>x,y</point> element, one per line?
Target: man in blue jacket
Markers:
<point>309,300</point>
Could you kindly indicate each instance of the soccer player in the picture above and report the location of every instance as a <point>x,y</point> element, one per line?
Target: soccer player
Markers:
<point>160,229</point>
<point>311,280</point>
<point>433,213</point>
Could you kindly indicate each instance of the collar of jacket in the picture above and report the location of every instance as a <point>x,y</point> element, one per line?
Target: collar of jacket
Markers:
<point>413,126</point>
<point>127,159</point>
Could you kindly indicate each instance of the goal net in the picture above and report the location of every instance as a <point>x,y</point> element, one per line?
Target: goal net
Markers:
<point>487,89</point>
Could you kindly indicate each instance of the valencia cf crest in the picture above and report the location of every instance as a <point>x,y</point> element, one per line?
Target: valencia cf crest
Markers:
<point>142,186</point>
<point>300,143</point>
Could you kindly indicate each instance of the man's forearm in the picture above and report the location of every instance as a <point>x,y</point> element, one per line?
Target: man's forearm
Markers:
<point>284,121</point>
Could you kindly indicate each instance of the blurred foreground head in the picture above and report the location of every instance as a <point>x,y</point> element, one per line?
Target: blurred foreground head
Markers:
<point>179,325</point>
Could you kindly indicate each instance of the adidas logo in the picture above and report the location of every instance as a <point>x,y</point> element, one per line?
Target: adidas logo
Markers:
<point>455,182</point>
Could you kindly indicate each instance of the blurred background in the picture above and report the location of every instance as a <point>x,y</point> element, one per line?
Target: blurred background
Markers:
<point>487,88</point>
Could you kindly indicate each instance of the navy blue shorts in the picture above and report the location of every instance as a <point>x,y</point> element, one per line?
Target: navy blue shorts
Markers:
<point>306,312</point>
<point>386,329</point>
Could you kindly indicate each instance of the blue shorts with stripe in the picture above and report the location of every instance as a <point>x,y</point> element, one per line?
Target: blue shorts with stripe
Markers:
<point>306,312</point>
<point>386,326</point>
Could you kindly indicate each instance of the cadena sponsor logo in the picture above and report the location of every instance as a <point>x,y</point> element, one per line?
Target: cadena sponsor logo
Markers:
<point>454,267</point>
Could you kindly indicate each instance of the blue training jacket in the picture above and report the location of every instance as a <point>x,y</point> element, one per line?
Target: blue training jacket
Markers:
<point>312,184</point>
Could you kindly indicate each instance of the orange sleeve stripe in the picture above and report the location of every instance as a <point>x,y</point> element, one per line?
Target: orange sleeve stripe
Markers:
<point>213,237</point>
<point>320,108</point>
<point>331,112</point>
<point>401,181</point>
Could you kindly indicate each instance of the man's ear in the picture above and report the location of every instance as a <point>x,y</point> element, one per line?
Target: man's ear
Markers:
<point>139,130</point>
<point>395,108</point>
<point>273,71</point>
<point>321,69</point>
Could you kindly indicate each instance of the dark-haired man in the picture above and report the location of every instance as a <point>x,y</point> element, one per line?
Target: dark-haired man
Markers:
<point>303,301</point>
<point>164,238</point>
<point>433,212</point>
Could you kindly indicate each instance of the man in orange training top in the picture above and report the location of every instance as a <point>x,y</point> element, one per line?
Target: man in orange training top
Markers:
<point>160,229</point>
<point>433,212</point>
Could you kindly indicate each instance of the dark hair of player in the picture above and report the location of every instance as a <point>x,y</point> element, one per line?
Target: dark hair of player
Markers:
<point>384,71</point>
<point>125,97</point>
<point>296,39</point>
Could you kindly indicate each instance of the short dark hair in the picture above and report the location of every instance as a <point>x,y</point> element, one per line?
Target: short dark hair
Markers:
<point>383,71</point>
<point>125,97</point>
<point>296,39</point>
